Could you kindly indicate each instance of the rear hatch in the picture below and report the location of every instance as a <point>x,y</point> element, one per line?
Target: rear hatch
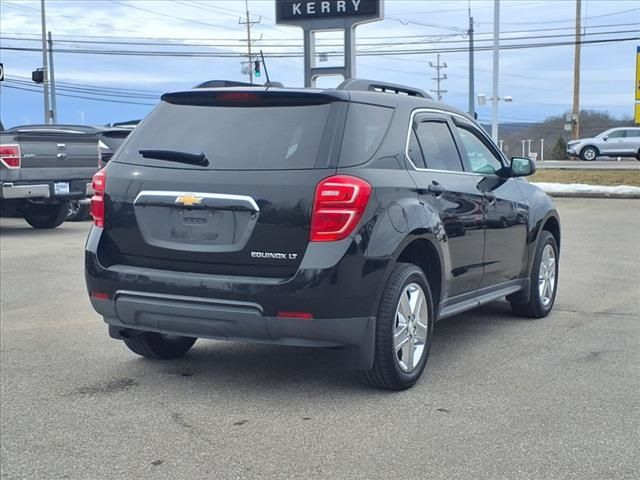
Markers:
<point>245,212</point>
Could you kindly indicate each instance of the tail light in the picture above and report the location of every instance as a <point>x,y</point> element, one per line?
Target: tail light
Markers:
<point>97,201</point>
<point>10,156</point>
<point>338,206</point>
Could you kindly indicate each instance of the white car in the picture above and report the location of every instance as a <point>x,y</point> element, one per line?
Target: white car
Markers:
<point>615,142</point>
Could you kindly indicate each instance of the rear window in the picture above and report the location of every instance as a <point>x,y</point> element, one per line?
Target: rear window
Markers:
<point>234,138</point>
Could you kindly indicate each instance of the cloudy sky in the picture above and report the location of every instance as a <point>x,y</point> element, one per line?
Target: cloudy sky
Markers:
<point>120,55</point>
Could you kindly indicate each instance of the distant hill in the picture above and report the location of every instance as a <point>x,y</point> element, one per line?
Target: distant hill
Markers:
<point>551,129</point>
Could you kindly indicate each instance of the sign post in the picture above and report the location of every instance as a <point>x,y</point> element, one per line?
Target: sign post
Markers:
<point>328,15</point>
<point>637,87</point>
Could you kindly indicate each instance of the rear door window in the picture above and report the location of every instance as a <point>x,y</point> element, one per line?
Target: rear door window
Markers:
<point>414,152</point>
<point>234,138</point>
<point>438,146</point>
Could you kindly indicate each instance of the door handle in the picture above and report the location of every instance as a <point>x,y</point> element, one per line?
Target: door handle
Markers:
<point>62,156</point>
<point>436,188</point>
<point>490,196</point>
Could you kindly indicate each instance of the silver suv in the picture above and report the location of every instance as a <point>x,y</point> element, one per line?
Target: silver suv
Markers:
<point>615,142</point>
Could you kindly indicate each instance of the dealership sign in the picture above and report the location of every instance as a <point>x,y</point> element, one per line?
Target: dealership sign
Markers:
<point>328,15</point>
<point>292,11</point>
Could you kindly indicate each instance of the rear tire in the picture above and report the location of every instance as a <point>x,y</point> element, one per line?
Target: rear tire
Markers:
<point>541,300</point>
<point>589,154</point>
<point>406,314</point>
<point>45,215</point>
<point>158,346</point>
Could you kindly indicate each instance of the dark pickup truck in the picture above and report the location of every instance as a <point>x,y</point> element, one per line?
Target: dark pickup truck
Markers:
<point>43,168</point>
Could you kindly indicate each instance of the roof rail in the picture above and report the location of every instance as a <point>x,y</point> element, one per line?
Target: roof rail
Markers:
<point>384,87</point>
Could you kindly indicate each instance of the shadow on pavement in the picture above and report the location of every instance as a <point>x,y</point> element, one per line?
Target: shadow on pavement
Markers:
<point>250,368</point>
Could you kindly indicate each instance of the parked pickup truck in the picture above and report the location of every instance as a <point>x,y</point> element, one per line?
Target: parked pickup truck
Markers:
<point>43,168</point>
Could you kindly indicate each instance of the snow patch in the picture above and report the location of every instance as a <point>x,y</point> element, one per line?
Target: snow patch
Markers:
<point>577,189</point>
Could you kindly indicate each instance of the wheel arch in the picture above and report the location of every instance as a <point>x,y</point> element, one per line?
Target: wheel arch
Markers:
<point>552,225</point>
<point>425,253</point>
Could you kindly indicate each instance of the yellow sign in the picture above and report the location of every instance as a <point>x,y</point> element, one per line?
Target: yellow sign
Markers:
<point>189,200</point>
<point>637,78</point>
<point>637,114</point>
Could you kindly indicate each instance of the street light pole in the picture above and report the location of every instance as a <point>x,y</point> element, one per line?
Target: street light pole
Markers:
<point>472,93</point>
<point>575,120</point>
<point>45,68</point>
<point>52,77</point>
<point>496,68</point>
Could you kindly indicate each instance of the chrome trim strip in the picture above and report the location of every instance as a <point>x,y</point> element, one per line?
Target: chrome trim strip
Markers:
<point>218,196</point>
<point>188,299</point>
<point>442,112</point>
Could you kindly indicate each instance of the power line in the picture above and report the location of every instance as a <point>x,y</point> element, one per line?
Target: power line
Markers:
<point>572,20</point>
<point>90,86</point>
<point>174,17</point>
<point>163,40</point>
<point>97,92</point>
<point>81,97</point>
<point>416,51</point>
<point>241,43</point>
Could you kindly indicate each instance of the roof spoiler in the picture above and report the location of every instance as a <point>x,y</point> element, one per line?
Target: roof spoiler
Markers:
<point>383,87</point>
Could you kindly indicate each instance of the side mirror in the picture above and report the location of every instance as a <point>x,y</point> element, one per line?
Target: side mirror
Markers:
<point>522,167</point>
<point>605,138</point>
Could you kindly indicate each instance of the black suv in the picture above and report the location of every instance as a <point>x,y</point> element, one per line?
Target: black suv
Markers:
<point>351,218</point>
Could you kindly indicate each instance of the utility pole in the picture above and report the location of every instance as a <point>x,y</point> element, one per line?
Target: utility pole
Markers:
<point>52,78</point>
<point>575,117</point>
<point>249,24</point>
<point>472,93</point>
<point>45,68</point>
<point>438,78</point>
<point>496,69</point>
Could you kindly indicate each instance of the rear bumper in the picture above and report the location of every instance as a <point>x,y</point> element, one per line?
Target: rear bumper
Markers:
<point>130,312</point>
<point>44,190</point>
<point>337,286</point>
<point>11,191</point>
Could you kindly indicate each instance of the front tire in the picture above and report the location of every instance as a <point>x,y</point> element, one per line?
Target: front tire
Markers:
<point>589,154</point>
<point>404,330</point>
<point>544,280</point>
<point>157,346</point>
<point>45,215</point>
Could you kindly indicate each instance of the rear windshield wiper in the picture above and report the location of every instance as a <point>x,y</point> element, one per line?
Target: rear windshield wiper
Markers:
<point>174,156</point>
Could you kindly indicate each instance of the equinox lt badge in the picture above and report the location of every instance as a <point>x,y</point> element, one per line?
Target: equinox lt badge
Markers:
<point>276,255</point>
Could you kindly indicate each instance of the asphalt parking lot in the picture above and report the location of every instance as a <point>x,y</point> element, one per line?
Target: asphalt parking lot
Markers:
<point>502,397</point>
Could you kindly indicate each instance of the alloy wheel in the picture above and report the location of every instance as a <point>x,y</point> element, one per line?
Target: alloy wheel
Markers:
<point>411,327</point>
<point>547,275</point>
<point>590,154</point>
